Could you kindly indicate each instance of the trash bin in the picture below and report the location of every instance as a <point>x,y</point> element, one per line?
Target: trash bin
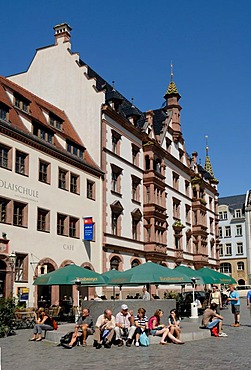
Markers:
<point>194,310</point>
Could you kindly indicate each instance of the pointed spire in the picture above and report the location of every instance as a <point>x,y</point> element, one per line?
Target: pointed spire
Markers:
<point>208,167</point>
<point>172,88</point>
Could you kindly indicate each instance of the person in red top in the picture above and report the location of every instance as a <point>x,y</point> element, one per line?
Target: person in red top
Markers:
<point>161,330</point>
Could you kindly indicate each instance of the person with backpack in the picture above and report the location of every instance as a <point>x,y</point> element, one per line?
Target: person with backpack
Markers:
<point>211,320</point>
<point>85,324</point>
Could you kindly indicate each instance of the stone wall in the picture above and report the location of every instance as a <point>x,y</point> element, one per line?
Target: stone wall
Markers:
<point>97,307</point>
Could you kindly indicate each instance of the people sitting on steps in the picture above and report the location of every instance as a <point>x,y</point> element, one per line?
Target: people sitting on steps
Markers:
<point>104,330</point>
<point>85,324</point>
<point>211,319</point>
<point>125,326</point>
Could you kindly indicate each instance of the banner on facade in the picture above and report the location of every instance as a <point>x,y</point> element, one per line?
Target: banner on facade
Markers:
<point>88,228</point>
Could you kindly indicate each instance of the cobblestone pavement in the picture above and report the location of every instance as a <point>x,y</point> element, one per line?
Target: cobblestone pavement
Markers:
<point>232,352</point>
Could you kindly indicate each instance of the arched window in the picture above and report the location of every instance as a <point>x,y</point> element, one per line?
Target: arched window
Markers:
<point>240,266</point>
<point>135,263</point>
<point>114,263</point>
<point>226,268</point>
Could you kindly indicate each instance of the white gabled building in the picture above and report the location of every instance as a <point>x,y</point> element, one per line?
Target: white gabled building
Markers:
<point>48,185</point>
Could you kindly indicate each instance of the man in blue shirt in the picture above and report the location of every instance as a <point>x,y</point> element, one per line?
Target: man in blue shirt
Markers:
<point>234,299</point>
<point>249,299</point>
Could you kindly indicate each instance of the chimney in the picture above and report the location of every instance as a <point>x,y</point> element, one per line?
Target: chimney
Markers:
<point>62,33</point>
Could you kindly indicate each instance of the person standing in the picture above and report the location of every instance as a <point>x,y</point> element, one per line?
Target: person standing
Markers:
<point>215,297</point>
<point>249,300</point>
<point>234,299</point>
<point>146,294</point>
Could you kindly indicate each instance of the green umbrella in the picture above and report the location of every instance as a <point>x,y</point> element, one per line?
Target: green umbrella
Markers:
<point>111,274</point>
<point>68,275</point>
<point>192,274</point>
<point>218,277</point>
<point>149,273</point>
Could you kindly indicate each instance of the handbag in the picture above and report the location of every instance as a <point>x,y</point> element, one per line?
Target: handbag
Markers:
<point>144,340</point>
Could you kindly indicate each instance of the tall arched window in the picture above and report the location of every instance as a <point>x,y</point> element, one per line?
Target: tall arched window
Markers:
<point>114,263</point>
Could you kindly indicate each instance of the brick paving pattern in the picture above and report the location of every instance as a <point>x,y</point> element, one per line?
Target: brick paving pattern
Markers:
<point>232,352</point>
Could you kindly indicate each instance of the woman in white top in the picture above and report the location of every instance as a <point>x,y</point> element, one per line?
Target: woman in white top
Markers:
<point>215,297</point>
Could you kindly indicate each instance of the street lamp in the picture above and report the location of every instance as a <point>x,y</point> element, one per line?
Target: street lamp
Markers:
<point>12,261</point>
<point>78,286</point>
<point>194,307</point>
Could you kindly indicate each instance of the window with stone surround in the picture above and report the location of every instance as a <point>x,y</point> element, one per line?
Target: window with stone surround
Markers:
<point>5,157</point>
<point>43,220</point>
<point>90,189</point>
<point>238,230</point>
<point>74,183</point>
<point>21,268</point>
<point>22,163</point>
<point>227,231</point>
<point>116,142</point>
<point>239,248</point>
<point>44,174</point>
<point>63,179</point>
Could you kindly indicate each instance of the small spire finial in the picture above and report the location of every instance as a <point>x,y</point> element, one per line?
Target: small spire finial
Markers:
<point>113,84</point>
<point>206,137</point>
<point>171,71</point>
<point>132,102</point>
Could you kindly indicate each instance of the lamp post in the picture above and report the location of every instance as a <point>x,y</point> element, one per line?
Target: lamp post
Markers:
<point>194,307</point>
<point>78,286</point>
<point>12,262</point>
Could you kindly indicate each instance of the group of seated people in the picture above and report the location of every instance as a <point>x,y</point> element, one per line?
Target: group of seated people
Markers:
<point>125,327</point>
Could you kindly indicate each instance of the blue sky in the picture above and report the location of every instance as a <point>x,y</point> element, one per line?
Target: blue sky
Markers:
<point>133,41</point>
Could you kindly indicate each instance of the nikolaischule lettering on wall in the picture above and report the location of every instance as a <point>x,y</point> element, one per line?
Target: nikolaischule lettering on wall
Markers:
<point>19,189</point>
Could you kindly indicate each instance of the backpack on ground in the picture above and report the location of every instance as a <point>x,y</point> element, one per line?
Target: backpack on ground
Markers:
<point>144,340</point>
<point>65,339</point>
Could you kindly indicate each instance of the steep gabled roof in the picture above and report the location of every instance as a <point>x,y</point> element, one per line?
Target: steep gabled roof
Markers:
<point>35,114</point>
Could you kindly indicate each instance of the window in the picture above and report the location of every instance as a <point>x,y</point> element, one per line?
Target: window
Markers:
<point>221,250</point>
<point>43,220</point>
<point>211,222</point>
<point>228,250</point>
<point>116,179</point>
<point>238,230</point>
<point>176,208</point>
<point>114,263</point>
<point>3,210</point>
<point>67,226</point>
<point>187,188</point>
<point>135,263</point>
<point>56,122</point>
<point>21,164</point>
<point>73,227</point>
<point>116,211</point>
<point>74,183</point>
<point>240,266</point>
<point>62,179</point>
<point>135,155</point>
<point>61,224</point>
<point>43,133</point>
<point>21,267</point>
<point>4,112</point>
<point>5,157</point>
<point>90,189</point>
<point>148,197</point>
<point>237,213</point>
<point>116,138</point>
<point>75,150</point>
<point>226,268</point>
<point>227,231</point>
<point>188,213</point>
<point>175,181</point>
<point>223,215</point>
<point>19,214</point>
<point>21,103</point>
<point>136,217</point>
<point>135,188</point>
<point>220,232</point>
<point>239,248</point>
<point>44,172</point>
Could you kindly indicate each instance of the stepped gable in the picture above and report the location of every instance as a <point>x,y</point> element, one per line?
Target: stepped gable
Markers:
<point>126,108</point>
